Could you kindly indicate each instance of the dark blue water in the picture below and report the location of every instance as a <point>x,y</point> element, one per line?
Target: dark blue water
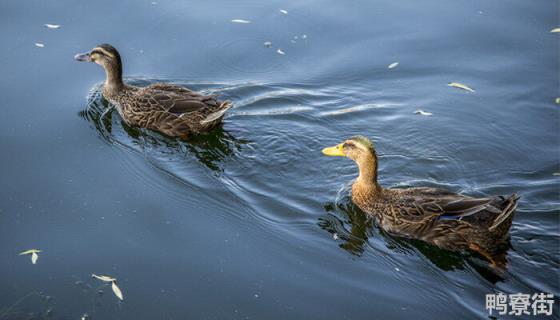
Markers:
<point>240,223</point>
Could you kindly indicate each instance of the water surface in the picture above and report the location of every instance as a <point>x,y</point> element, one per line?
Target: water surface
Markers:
<point>241,223</point>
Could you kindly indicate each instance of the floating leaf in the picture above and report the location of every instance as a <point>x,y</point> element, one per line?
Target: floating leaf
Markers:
<point>555,30</point>
<point>103,278</point>
<point>40,45</point>
<point>240,21</point>
<point>283,11</point>
<point>33,253</point>
<point>52,26</point>
<point>116,290</point>
<point>393,65</point>
<point>460,86</point>
<point>34,257</point>
<point>30,251</point>
<point>279,51</point>
<point>268,44</point>
<point>422,112</point>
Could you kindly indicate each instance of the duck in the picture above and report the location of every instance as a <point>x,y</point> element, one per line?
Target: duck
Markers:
<point>170,109</point>
<point>448,220</point>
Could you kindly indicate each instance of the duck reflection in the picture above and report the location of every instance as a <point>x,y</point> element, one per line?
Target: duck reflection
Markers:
<point>210,149</point>
<point>353,227</point>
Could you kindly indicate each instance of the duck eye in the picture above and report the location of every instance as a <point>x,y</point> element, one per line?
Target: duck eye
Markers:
<point>348,145</point>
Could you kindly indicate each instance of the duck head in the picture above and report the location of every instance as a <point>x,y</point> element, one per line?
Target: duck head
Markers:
<point>362,151</point>
<point>109,58</point>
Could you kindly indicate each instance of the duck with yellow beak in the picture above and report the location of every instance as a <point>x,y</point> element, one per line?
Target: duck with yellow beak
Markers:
<point>448,220</point>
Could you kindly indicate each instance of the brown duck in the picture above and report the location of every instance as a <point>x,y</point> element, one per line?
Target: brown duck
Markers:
<point>172,110</point>
<point>448,220</point>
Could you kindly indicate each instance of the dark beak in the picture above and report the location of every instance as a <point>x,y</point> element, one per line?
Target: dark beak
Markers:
<point>83,57</point>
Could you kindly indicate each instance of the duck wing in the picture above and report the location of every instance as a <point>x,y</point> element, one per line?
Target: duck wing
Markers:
<point>445,205</point>
<point>179,100</point>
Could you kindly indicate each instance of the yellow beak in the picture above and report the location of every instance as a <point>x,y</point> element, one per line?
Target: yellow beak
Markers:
<point>334,151</point>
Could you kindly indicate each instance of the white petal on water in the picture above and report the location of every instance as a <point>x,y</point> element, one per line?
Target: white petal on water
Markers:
<point>39,45</point>
<point>460,86</point>
<point>52,26</point>
<point>103,278</point>
<point>268,44</point>
<point>393,65</point>
<point>279,51</point>
<point>555,30</point>
<point>283,11</point>
<point>116,290</point>
<point>422,112</point>
<point>240,21</point>
<point>34,257</point>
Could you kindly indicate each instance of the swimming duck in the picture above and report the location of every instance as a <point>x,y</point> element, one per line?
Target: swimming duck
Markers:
<point>448,220</point>
<point>170,109</point>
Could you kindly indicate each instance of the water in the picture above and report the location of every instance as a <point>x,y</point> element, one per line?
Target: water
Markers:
<point>241,223</point>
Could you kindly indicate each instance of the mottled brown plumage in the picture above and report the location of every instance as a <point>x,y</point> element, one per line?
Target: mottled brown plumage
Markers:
<point>172,110</point>
<point>448,220</point>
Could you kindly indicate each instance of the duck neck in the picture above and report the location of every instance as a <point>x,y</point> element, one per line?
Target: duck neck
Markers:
<point>113,80</point>
<point>367,180</point>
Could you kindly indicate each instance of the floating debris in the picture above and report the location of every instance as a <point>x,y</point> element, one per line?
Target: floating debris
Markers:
<point>283,11</point>
<point>52,26</point>
<point>555,30</point>
<point>240,21</point>
<point>279,51</point>
<point>393,65</point>
<point>267,44</point>
<point>335,236</point>
<point>557,100</point>
<point>422,112</point>
<point>103,278</point>
<point>461,86</point>
<point>556,174</point>
<point>33,253</point>
<point>117,291</point>
<point>39,45</point>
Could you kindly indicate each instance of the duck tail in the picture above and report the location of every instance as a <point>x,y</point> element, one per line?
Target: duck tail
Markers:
<point>507,212</point>
<point>215,116</point>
